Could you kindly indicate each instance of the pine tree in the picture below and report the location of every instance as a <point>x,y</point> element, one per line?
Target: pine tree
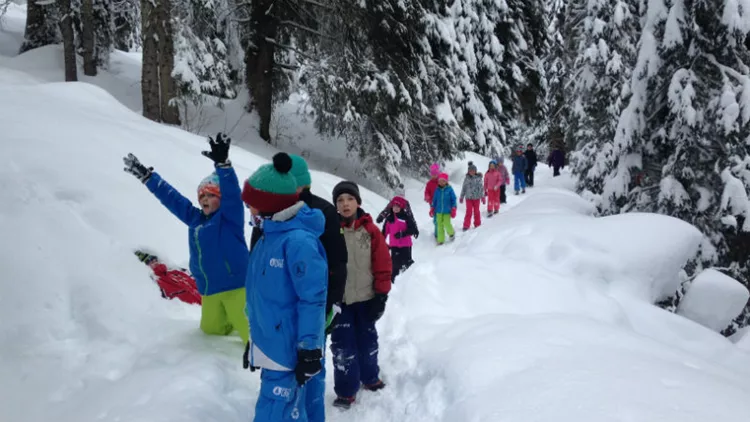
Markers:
<point>606,53</point>
<point>127,24</point>
<point>371,84</point>
<point>687,125</point>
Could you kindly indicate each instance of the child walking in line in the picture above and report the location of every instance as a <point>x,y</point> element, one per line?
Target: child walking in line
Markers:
<point>216,232</point>
<point>354,337</point>
<point>493,182</point>
<point>503,169</point>
<point>473,191</point>
<point>429,189</point>
<point>399,227</point>
<point>444,208</point>
<point>519,171</point>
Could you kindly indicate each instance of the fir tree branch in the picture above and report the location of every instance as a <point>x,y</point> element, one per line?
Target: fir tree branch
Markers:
<point>287,47</point>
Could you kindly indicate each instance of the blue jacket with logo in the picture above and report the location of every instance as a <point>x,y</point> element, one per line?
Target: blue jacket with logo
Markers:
<point>218,252</point>
<point>444,200</point>
<point>286,287</point>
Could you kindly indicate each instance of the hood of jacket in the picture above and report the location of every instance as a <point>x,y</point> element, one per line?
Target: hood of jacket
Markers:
<point>298,216</point>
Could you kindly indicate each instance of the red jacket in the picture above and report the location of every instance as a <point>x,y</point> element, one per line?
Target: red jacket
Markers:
<point>379,253</point>
<point>176,284</point>
<point>429,190</point>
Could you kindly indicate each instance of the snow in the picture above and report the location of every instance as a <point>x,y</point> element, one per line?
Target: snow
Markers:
<point>713,300</point>
<point>544,313</point>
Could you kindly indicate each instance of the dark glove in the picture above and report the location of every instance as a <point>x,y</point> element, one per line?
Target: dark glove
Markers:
<point>400,234</point>
<point>134,167</point>
<point>380,218</point>
<point>219,149</point>
<point>377,306</point>
<point>246,359</point>
<point>309,364</point>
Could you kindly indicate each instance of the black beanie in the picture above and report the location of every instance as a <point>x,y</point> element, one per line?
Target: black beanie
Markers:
<point>347,187</point>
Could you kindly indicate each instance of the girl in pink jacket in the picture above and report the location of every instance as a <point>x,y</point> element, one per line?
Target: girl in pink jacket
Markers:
<point>493,180</point>
<point>398,229</point>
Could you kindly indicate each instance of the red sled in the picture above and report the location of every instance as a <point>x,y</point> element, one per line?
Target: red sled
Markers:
<point>176,284</point>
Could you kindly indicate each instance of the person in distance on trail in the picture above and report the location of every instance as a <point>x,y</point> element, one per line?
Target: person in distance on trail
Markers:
<point>473,191</point>
<point>519,171</point>
<point>216,236</point>
<point>287,283</point>
<point>399,228</point>
<point>354,337</point>
<point>531,162</point>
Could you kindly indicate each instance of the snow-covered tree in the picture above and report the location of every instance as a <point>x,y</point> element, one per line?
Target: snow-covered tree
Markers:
<point>374,83</point>
<point>557,63</point>
<point>599,89</point>
<point>201,63</point>
<point>42,20</point>
<point>681,146</point>
<point>127,22</point>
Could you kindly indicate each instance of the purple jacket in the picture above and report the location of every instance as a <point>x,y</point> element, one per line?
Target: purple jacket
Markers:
<point>556,159</point>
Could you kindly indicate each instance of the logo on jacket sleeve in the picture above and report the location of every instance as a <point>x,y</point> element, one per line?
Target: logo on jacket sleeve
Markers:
<point>299,269</point>
<point>277,262</point>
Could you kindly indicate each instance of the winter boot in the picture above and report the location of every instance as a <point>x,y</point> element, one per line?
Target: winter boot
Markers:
<point>452,237</point>
<point>523,191</point>
<point>379,385</point>
<point>466,229</point>
<point>343,402</point>
<point>516,192</point>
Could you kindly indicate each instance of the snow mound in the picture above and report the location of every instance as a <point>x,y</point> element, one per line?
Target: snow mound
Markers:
<point>713,300</point>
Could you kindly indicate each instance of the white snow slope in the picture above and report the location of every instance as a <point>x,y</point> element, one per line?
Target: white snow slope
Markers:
<point>541,314</point>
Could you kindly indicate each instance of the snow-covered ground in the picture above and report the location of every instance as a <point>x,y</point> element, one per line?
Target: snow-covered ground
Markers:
<point>542,314</point>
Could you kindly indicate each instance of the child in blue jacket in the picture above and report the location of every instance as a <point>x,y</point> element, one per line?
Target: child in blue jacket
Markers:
<point>443,208</point>
<point>218,252</point>
<point>287,287</point>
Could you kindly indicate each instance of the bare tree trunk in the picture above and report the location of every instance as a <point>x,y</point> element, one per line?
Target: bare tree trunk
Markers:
<point>170,113</point>
<point>150,67</point>
<point>259,62</point>
<point>38,32</point>
<point>69,49</point>
<point>87,38</point>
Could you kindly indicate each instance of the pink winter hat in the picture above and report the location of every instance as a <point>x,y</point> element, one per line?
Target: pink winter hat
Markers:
<point>443,176</point>
<point>399,201</point>
<point>434,169</point>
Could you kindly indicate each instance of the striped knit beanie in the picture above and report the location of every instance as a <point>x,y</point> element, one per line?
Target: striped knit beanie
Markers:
<point>271,188</point>
<point>210,185</point>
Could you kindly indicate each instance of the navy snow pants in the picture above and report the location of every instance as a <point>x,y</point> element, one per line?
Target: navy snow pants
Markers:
<point>354,344</point>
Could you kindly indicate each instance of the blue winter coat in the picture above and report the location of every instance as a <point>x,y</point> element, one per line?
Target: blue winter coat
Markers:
<point>286,287</point>
<point>519,164</point>
<point>444,200</point>
<point>218,252</point>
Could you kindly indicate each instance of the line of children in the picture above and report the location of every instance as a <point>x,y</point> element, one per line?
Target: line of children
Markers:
<point>473,191</point>
<point>218,252</point>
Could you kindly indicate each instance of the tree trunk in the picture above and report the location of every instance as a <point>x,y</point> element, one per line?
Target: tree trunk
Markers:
<point>259,62</point>
<point>38,31</point>
<point>69,49</point>
<point>150,67</point>
<point>87,38</point>
<point>170,113</point>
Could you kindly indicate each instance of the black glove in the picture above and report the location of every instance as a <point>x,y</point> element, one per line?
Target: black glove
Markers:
<point>134,167</point>
<point>219,149</point>
<point>380,218</point>
<point>376,306</point>
<point>400,234</point>
<point>309,364</point>
<point>246,359</point>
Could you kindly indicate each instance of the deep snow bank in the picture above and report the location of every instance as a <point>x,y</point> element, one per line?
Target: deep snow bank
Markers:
<point>85,335</point>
